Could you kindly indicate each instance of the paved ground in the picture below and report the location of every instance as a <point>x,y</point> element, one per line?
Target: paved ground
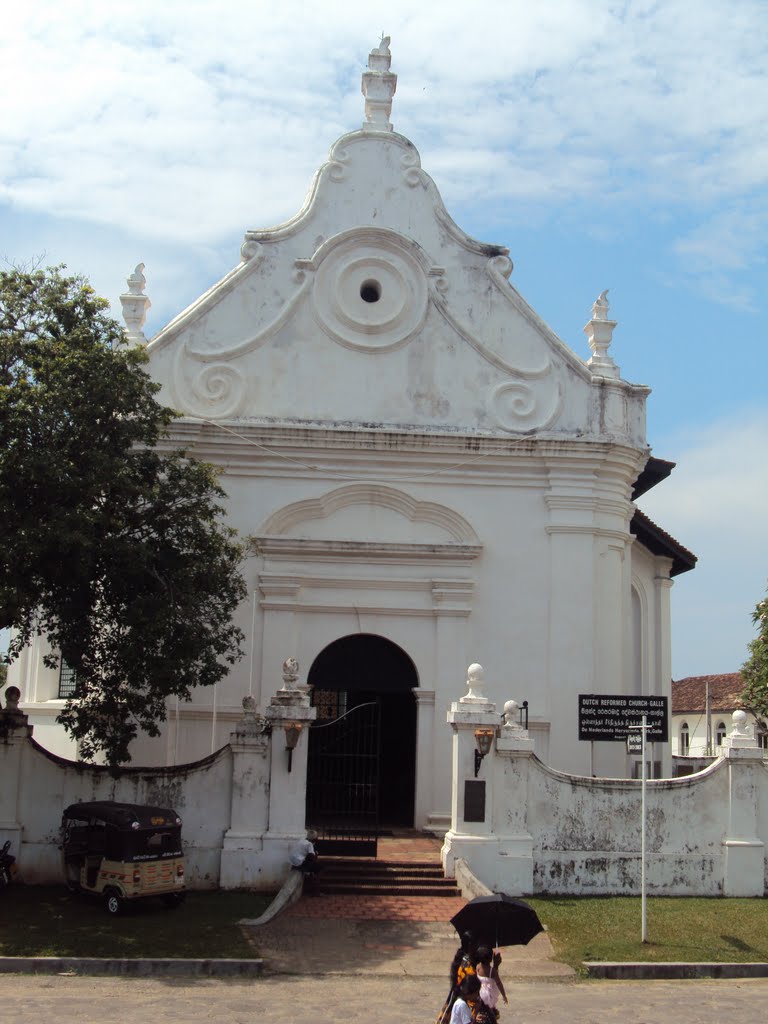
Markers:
<point>391,936</point>
<point>377,999</point>
<point>343,959</point>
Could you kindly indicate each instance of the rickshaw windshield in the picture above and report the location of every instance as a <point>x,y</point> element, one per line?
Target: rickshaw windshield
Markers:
<point>144,844</point>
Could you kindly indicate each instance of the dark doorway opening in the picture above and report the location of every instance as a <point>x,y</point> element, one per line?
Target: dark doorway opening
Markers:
<point>357,670</point>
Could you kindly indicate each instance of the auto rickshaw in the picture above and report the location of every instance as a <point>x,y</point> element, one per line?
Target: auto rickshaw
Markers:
<point>123,852</point>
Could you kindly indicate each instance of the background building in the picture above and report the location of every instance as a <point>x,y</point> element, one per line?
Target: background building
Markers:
<point>701,713</point>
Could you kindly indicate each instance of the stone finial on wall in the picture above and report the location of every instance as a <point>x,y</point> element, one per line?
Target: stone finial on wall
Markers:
<point>135,305</point>
<point>599,332</point>
<point>511,709</point>
<point>10,716</point>
<point>291,692</point>
<point>739,719</point>
<point>290,674</point>
<point>741,735</point>
<point>252,723</point>
<point>378,87</point>
<point>12,698</point>
<point>475,686</point>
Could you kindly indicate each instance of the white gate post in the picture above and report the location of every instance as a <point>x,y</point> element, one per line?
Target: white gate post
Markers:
<point>514,747</point>
<point>744,854</point>
<point>242,860</point>
<point>290,714</point>
<point>475,724</point>
<point>15,733</point>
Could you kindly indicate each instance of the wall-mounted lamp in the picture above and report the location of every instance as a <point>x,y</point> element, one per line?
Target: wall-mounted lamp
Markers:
<point>292,734</point>
<point>484,742</point>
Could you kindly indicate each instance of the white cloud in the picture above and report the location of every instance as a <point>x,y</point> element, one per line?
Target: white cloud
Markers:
<point>715,504</point>
<point>730,241</point>
<point>163,109</point>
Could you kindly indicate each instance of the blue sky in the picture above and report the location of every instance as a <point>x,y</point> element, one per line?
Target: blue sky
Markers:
<point>609,145</point>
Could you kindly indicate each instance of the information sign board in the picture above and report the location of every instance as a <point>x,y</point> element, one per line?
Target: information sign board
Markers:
<point>634,742</point>
<point>605,716</point>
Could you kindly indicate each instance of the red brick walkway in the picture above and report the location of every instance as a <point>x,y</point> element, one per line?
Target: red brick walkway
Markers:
<point>406,849</point>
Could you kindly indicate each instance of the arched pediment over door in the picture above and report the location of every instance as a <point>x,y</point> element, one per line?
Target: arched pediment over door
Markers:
<point>370,513</point>
<point>429,546</point>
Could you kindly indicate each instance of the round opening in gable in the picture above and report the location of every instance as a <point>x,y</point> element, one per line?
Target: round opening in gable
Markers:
<point>370,291</point>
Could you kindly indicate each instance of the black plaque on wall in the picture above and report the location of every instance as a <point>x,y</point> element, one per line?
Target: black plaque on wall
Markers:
<point>474,800</point>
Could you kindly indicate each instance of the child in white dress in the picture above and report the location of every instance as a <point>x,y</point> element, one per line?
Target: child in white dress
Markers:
<point>491,985</point>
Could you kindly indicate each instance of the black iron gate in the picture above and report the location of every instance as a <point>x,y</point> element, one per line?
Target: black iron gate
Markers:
<point>343,779</point>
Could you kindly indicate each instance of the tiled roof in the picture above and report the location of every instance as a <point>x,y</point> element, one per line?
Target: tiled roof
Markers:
<point>654,472</point>
<point>690,695</point>
<point>659,542</point>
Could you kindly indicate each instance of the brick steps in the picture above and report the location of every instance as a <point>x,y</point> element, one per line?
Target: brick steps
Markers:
<point>350,877</point>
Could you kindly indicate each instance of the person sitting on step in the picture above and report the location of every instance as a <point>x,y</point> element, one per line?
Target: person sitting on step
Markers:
<point>303,858</point>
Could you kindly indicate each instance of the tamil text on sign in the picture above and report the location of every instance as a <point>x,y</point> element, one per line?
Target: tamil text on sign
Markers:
<point>605,716</point>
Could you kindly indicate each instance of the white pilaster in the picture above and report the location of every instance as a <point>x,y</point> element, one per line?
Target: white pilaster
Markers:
<point>425,746</point>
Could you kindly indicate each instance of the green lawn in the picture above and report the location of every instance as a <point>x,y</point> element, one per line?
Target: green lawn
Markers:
<point>678,929</point>
<point>49,921</point>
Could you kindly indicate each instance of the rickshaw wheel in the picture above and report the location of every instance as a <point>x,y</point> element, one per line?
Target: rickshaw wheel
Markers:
<point>114,902</point>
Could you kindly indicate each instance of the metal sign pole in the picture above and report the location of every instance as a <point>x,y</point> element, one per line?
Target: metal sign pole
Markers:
<point>644,932</point>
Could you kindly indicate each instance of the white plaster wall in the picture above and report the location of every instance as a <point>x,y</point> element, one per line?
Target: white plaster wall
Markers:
<point>545,831</point>
<point>587,833</point>
<point>200,794</point>
<point>449,344</point>
<point>533,647</point>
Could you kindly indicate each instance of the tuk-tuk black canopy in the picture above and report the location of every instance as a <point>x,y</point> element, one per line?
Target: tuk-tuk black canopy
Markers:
<point>122,815</point>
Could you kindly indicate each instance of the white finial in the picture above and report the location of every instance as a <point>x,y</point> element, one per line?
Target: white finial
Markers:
<point>601,306</point>
<point>599,332</point>
<point>135,305</point>
<point>475,686</point>
<point>739,719</point>
<point>378,87</point>
<point>511,708</point>
<point>290,674</point>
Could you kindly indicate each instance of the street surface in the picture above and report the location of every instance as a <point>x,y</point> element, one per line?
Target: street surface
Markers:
<point>331,999</point>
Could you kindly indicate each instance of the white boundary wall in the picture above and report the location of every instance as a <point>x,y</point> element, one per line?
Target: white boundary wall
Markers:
<point>241,808</point>
<point>545,831</point>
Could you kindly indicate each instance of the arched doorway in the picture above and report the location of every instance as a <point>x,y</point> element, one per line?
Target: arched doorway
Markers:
<point>362,748</point>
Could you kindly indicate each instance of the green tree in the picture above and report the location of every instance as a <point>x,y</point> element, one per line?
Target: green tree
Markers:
<point>755,669</point>
<point>113,544</point>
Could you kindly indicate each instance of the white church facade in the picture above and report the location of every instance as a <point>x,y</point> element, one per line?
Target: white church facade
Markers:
<point>428,477</point>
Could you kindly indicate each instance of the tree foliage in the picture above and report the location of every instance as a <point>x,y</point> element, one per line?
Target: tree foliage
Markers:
<point>754,671</point>
<point>113,544</point>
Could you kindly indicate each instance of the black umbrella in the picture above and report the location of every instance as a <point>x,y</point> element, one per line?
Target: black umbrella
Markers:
<point>498,920</point>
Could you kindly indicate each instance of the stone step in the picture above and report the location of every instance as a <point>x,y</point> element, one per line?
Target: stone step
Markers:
<point>382,871</point>
<point>374,889</point>
<point>426,881</point>
<point>353,876</point>
<point>353,864</point>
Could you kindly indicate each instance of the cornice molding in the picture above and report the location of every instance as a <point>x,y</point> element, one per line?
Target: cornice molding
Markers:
<point>303,438</point>
<point>363,551</point>
<point>427,597</point>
